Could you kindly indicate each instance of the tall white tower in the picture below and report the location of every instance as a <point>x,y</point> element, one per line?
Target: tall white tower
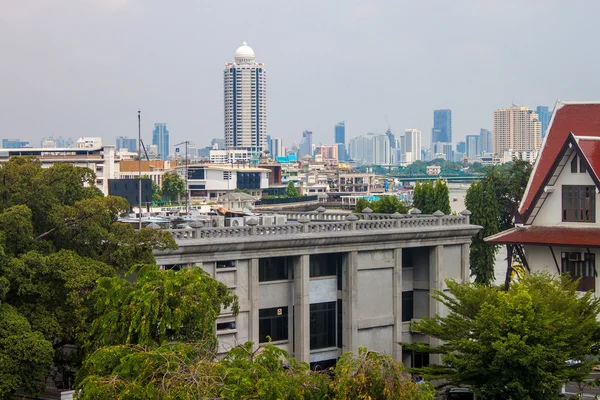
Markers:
<point>245,90</point>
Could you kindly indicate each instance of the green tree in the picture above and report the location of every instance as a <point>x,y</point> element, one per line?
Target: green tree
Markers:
<point>158,307</point>
<point>482,202</point>
<point>441,197</point>
<point>173,186</point>
<point>25,355</point>
<point>513,344</point>
<point>429,197</point>
<point>291,190</point>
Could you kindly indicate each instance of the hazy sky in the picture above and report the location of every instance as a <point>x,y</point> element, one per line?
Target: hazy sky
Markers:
<point>84,67</point>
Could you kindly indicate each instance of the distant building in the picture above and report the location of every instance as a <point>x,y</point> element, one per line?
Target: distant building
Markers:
<point>460,147</point>
<point>473,148</point>
<point>327,152</point>
<point>486,141</point>
<point>245,103</point>
<point>391,138</point>
<point>442,126</point>
<point>123,142</point>
<point>516,129</point>
<point>14,144</point>
<point>544,115</point>
<point>381,150</point>
<point>229,156</point>
<point>88,142</point>
<point>305,145</point>
<point>219,143</point>
<point>360,149</point>
<point>433,170</point>
<point>160,138</point>
<point>340,140</point>
<point>411,145</point>
<point>277,149</point>
<point>443,150</point>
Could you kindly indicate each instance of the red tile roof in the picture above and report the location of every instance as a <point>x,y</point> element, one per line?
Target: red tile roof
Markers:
<point>583,119</point>
<point>591,150</point>
<point>545,235</point>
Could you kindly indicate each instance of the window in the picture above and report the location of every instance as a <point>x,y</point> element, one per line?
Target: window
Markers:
<point>325,264</point>
<point>407,306</point>
<point>272,322</point>
<point>274,268</point>
<point>322,325</point>
<point>224,326</point>
<point>574,163</point>
<point>579,203</point>
<point>580,266</point>
<point>226,264</point>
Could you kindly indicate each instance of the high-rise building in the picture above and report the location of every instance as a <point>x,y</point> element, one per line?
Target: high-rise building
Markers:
<point>460,147</point>
<point>442,126</point>
<point>390,136</point>
<point>340,140</point>
<point>544,116</point>
<point>381,150</point>
<point>516,129</point>
<point>411,145</point>
<point>14,144</point>
<point>305,145</point>
<point>217,144</point>
<point>486,141</point>
<point>443,150</point>
<point>360,149</point>
<point>473,146</point>
<point>245,103</point>
<point>277,149</point>
<point>160,138</point>
<point>123,142</point>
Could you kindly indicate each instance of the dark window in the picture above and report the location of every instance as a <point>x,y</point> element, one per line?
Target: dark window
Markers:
<point>195,173</point>
<point>579,203</point>
<point>574,165</point>
<point>581,165</point>
<point>274,268</point>
<point>273,322</point>
<point>407,306</point>
<point>322,325</point>
<point>420,359</point>
<point>248,180</point>
<point>339,324</point>
<point>408,258</point>
<point>325,264</point>
<point>226,264</point>
<point>580,266</point>
<point>222,326</point>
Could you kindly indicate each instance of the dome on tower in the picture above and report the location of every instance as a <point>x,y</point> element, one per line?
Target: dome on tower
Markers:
<point>244,54</point>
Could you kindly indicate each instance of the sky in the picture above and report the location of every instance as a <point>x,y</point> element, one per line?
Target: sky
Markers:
<point>77,68</point>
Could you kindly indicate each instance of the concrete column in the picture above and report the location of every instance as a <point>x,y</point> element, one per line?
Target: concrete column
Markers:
<point>435,283</point>
<point>253,306</point>
<point>349,303</point>
<point>465,269</point>
<point>302,308</point>
<point>397,287</point>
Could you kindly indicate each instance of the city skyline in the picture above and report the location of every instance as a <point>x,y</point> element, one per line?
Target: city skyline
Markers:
<point>82,80</point>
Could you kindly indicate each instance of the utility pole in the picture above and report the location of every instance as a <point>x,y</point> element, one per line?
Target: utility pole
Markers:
<point>140,164</point>
<point>187,210</point>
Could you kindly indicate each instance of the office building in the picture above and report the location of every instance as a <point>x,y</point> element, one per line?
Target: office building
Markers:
<point>340,140</point>
<point>460,147</point>
<point>381,150</point>
<point>516,129</point>
<point>327,153</point>
<point>129,144</point>
<point>305,145</point>
<point>160,139</point>
<point>360,149</point>
<point>544,116</point>
<point>218,144</point>
<point>14,144</point>
<point>245,102</point>
<point>473,146</point>
<point>277,149</point>
<point>443,150</point>
<point>442,126</point>
<point>411,145</point>
<point>486,141</point>
<point>391,138</point>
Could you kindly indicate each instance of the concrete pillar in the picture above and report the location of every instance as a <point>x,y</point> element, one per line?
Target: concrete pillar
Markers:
<point>397,287</point>
<point>253,306</point>
<point>302,308</point>
<point>465,269</point>
<point>349,303</point>
<point>435,283</point>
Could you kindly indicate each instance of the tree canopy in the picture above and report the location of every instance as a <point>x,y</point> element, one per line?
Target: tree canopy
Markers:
<point>430,197</point>
<point>173,186</point>
<point>291,190</point>
<point>385,205</point>
<point>513,344</point>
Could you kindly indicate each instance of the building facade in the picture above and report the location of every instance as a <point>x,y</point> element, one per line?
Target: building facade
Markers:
<point>123,142</point>
<point>160,139</point>
<point>411,145</point>
<point>516,129</point>
<point>340,140</point>
<point>442,126</point>
<point>245,102</point>
<point>210,181</point>
<point>486,141</point>
<point>473,146</point>
<point>544,115</point>
<point>306,145</point>
<point>277,149</point>
<point>14,143</point>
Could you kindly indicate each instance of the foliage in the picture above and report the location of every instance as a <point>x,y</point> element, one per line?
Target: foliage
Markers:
<point>372,375</point>
<point>385,205</point>
<point>429,197</point>
<point>513,344</point>
<point>510,180</point>
<point>25,356</point>
<point>173,186</point>
<point>291,190</point>
<point>482,202</point>
<point>158,307</point>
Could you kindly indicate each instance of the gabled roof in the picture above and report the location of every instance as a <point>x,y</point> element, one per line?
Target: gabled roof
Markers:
<point>548,236</point>
<point>581,119</point>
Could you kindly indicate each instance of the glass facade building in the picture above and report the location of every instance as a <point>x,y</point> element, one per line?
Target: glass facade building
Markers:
<point>442,126</point>
<point>160,138</point>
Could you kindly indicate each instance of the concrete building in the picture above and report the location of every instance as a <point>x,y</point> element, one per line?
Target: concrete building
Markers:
<point>486,141</point>
<point>277,149</point>
<point>245,102</point>
<point>329,283</point>
<point>516,129</point>
<point>381,150</point>
<point>360,149</point>
<point>154,169</point>
<point>340,140</point>
<point>442,126</point>
<point>473,147</point>
<point>14,143</point>
<point>129,144</point>
<point>558,228</point>
<point>461,147</point>
<point>327,152</point>
<point>210,181</point>
<point>411,145</point>
<point>443,150</point>
<point>230,156</point>
<point>306,145</point>
<point>160,139</point>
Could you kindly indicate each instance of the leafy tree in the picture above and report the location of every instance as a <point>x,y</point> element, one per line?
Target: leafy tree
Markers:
<point>158,307</point>
<point>430,198</point>
<point>385,205</point>
<point>513,344</point>
<point>441,196</point>
<point>481,200</point>
<point>291,190</point>
<point>25,355</point>
<point>372,375</point>
<point>173,186</point>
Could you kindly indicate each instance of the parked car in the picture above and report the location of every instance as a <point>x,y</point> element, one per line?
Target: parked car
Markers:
<point>458,393</point>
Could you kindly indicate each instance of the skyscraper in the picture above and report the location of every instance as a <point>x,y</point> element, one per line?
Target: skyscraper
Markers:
<point>277,147</point>
<point>381,150</point>
<point>412,145</point>
<point>473,146</point>
<point>160,138</point>
<point>123,142</point>
<point>544,116</point>
<point>442,126</point>
<point>516,129</point>
<point>305,145</point>
<point>460,147</point>
<point>340,140</point>
<point>486,142</point>
<point>245,102</point>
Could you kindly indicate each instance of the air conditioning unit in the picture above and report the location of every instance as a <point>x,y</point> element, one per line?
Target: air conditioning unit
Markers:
<point>267,220</point>
<point>237,221</point>
<point>280,219</point>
